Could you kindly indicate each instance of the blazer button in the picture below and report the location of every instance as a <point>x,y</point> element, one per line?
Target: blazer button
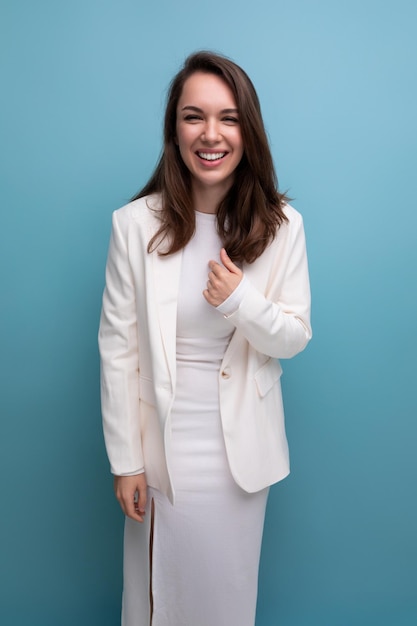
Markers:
<point>225,374</point>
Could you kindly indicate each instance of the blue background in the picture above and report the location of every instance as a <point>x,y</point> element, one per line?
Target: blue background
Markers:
<point>83,88</point>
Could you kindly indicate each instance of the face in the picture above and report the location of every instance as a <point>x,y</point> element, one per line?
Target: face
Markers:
<point>208,132</point>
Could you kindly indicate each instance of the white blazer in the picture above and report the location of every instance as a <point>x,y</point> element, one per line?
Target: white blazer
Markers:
<point>137,340</point>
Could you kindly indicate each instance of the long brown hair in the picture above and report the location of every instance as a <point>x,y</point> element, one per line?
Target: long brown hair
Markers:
<point>251,212</point>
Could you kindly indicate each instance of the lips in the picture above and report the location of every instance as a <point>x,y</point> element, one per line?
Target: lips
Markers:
<point>211,156</point>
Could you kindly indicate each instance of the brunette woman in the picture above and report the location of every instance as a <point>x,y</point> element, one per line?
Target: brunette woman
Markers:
<point>206,288</point>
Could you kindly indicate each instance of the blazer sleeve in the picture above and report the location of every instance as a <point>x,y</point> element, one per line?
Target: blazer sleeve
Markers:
<point>119,362</point>
<point>278,324</point>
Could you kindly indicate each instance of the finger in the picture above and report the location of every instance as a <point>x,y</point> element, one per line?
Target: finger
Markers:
<point>207,296</point>
<point>131,509</point>
<point>215,267</point>
<point>228,263</point>
<point>213,280</point>
<point>141,502</point>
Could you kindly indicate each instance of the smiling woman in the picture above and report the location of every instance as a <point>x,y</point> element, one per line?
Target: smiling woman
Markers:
<point>209,138</point>
<point>206,287</point>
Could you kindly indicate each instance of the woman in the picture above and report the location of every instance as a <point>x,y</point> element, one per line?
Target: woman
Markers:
<point>206,287</point>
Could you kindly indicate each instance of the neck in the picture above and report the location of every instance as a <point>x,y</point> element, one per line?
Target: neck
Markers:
<point>207,199</point>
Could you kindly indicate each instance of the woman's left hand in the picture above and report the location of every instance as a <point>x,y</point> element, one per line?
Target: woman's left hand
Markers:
<point>222,279</point>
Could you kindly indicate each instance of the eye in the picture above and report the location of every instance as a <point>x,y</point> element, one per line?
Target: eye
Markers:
<point>192,117</point>
<point>230,119</point>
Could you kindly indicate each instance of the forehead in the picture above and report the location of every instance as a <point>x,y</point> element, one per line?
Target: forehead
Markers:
<point>206,90</point>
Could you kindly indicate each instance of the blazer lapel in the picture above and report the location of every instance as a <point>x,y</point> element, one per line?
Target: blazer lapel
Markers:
<point>166,272</point>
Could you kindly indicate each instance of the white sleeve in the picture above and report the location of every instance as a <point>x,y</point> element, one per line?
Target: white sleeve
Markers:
<point>136,473</point>
<point>119,359</point>
<point>279,325</point>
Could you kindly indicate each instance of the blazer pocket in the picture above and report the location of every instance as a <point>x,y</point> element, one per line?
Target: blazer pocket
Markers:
<point>267,376</point>
<point>146,390</point>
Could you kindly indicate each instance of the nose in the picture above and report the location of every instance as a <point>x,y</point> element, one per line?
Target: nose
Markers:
<point>211,133</point>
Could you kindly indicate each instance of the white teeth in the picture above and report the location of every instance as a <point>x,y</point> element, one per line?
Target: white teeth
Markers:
<point>211,156</point>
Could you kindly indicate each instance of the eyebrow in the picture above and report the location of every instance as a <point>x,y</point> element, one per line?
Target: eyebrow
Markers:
<point>198,110</point>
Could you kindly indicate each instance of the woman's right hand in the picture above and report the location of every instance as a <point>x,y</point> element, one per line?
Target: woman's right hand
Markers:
<point>131,494</point>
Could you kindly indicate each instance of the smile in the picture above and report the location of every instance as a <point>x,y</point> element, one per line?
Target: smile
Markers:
<point>211,156</point>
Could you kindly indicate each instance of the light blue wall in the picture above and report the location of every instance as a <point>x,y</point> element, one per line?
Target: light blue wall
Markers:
<point>82,97</point>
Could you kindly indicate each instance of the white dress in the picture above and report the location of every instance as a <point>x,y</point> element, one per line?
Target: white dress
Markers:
<point>206,548</point>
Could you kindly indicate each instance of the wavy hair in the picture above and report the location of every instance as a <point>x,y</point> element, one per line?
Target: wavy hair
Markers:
<point>251,212</point>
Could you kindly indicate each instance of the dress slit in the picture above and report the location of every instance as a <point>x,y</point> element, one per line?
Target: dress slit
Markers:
<point>151,533</point>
